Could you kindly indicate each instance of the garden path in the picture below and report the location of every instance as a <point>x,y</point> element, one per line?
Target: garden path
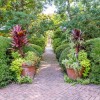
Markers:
<point>49,84</point>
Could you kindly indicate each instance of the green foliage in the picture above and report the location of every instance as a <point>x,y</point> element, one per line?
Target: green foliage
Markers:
<point>56,43</point>
<point>67,79</point>
<point>38,41</point>
<point>84,62</point>
<point>32,58</point>
<point>4,45</point>
<point>37,48</point>
<point>72,61</point>
<point>30,48</point>
<point>88,22</point>
<point>15,55</point>
<point>77,63</point>
<point>84,15</point>
<point>82,55</point>
<point>83,81</point>
<point>78,81</point>
<point>57,33</point>
<point>59,50</point>
<point>26,79</point>
<point>64,55</point>
<point>93,48</point>
<point>5,76</point>
<point>15,12</point>
<point>16,67</point>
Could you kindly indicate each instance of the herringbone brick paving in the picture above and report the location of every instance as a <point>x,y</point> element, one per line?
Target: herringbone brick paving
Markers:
<point>48,84</point>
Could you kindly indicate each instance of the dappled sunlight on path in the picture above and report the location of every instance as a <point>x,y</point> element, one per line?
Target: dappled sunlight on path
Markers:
<point>49,84</point>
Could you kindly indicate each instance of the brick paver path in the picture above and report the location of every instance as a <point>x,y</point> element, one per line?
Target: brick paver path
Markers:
<point>49,85</point>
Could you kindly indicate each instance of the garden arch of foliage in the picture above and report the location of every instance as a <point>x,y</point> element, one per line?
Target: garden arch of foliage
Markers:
<point>81,15</point>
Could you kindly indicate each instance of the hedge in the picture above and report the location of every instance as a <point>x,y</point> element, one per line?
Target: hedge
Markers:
<point>30,48</point>
<point>93,48</point>
<point>38,41</point>
<point>37,48</point>
<point>59,50</point>
<point>63,56</point>
<point>56,43</point>
<point>5,76</point>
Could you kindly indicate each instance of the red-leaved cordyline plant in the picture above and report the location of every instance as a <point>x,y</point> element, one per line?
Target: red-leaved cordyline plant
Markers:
<point>19,38</point>
<point>77,38</point>
<point>77,34</point>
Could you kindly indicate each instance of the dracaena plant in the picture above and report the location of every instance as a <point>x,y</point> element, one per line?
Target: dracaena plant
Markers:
<point>77,38</point>
<point>19,38</point>
<point>77,34</point>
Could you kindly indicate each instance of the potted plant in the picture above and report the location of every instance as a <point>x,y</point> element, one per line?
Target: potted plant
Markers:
<point>77,67</point>
<point>29,66</point>
<point>77,63</point>
<point>73,68</point>
<point>28,69</point>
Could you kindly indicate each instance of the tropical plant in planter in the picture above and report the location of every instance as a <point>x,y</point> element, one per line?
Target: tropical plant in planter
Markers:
<point>73,68</point>
<point>23,69</point>
<point>77,63</point>
<point>77,67</point>
<point>16,68</point>
<point>29,65</point>
<point>23,65</point>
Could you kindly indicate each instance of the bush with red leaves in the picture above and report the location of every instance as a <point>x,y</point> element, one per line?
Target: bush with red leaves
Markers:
<point>19,38</point>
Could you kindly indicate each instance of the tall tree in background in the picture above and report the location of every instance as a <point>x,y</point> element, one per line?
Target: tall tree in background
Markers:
<point>19,12</point>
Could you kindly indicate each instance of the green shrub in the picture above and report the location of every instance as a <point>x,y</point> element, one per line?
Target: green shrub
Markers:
<point>15,55</point>
<point>30,48</point>
<point>88,22</point>
<point>56,43</point>
<point>84,62</point>
<point>57,34</point>
<point>26,79</point>
<point>63,56</point>
<point>16,68</point>
<point>5,76</point>
<point>37,48</point>
<point>93,49</point>
<point>38,41</point>
<point>59,50</point>
<point>32,58</point>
